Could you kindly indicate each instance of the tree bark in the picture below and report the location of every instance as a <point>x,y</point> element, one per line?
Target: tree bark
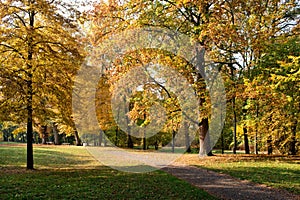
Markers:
<point>100,138</point>
<point>29,134</point>
<point>204,139</point>
<point>269,143</point>
<point>44,134</point>
<point>173,141</point>
<point>246,141</point>
<point>55,133</point>
<point>144,141</point>
<point>77,138</point>
<point>30,94</point>
<point>234,126</point>
<point>187,136</point>
<point>256,132</point>
<point>293,149</point>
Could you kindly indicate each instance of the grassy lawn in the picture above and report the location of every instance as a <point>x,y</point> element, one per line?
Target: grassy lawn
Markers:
<point>275,171</point>
<point>69,172</point>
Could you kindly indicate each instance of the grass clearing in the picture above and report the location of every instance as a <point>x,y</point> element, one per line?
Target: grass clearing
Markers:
<point>281,172</point>
<point>69,172</point>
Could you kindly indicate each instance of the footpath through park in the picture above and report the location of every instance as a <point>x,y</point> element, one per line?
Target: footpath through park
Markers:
<point>224,186</point>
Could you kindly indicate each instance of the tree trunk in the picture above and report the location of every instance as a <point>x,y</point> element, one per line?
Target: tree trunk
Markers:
<point>55,133</point>
<point>30,94</point>
<point>173,141</point>
<point>129,139</point>
<point>293,150</point>
<point>222,142</point>
<point>269,143</point>
<point>234,126</point>
<point>129,142</point>
<point>144,141</point>
<point>187,137</point>
<point>77,138</point>
<point>100,138</point>
<point>246,141</point>
<point>204,139</point>
<point>117,136</point>
<point>29,135</point>
<point>104,140</point>
<point>44,134</point>
<point>256,132</point>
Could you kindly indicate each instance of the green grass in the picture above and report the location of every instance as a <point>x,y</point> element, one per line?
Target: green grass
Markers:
<point>278,172</point>
<point>72,173</point>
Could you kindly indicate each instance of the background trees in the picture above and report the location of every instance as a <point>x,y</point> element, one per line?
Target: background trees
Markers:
<point>254,44</point>
<point>239,36</point>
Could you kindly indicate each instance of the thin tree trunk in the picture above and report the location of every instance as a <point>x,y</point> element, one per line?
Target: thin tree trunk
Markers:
<point>246,141</point>
<point>129,139</point>
<point>187,136</point>
<point>30,95</point>
<point>269,143</point>
<point>222,142</point>
<point>256,133</point>
<point>144,141</point>
<point>234,126</point>
<point>100,137</point>
<point>173,141</point>
<point>294,141</point>
<point>104,140</point>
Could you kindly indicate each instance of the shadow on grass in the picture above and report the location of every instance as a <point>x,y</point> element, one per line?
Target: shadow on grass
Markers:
<point>98,183</point>
<point>71,173</point>
<point>280,176</point>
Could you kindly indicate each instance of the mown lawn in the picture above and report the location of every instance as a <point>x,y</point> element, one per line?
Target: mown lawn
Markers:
<point>276,171</point>
<point>69,172</point>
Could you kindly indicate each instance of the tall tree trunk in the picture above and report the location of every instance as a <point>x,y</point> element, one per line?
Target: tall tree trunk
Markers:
<point>246,141</point>
<point>204,139</point>
<point>30,94</point>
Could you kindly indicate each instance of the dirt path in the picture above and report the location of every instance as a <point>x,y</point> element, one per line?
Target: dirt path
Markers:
<point>226,187</point>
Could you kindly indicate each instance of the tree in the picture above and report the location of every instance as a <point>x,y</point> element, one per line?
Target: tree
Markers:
<point>39,56</point>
